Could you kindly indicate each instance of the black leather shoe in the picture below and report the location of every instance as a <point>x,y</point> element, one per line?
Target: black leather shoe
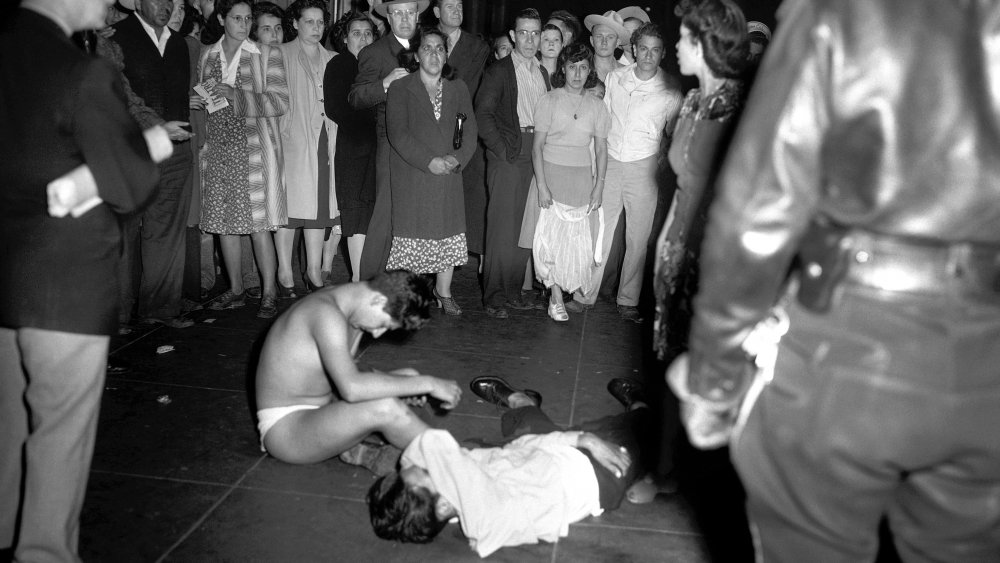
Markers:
<point>626,391</point>
<point>497,391</point>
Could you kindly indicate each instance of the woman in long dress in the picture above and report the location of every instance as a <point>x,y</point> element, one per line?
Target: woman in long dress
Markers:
<point>308,138</point>
<point>432,131</point>
<point>568,120</point>
<point>713,47</point>
<point>354,161</point>
<point>241,180</point>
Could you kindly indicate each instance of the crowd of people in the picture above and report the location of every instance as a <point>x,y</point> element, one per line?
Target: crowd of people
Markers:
<point>815,238</point>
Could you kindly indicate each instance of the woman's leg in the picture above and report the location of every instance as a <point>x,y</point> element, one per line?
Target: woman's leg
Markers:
<point>443,282</point>
<point>355,245</point>
<point>284,240</point>
<point>314,254</point>
<point>556,297</point>
<point>330,246</point>
<point>263,249</point>
<point>233,259</point>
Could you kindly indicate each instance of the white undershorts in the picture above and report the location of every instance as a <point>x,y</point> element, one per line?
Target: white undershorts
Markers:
<point>266,418</point>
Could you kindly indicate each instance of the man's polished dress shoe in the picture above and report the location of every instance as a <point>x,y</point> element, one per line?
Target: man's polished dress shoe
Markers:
<point>497,391</point>
<point>627,391</point>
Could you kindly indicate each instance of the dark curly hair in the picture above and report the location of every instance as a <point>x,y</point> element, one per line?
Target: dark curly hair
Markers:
<point>574,53</point>
<point>294,12</point>
<point>721,28</point>
<point>402,513</point>
<point>343,27</point>
<point>409,297</point>
<point>408,57</point>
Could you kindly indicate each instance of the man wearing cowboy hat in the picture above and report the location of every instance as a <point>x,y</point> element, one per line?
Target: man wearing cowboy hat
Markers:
<point>632,17</point>
<point>378,67</point>
<point>605,32</point>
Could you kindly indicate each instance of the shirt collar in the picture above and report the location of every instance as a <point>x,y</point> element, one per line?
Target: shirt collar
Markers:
<point>247,45</point>
<point>152,32</point>
<point>520,60</point>
<point>404,42</point>
<point>453,38</point>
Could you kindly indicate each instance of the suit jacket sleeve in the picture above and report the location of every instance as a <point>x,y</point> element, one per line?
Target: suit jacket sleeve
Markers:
<point>487,105</point>
<point>112,144</point>
<point>405,142</point>
<point>367,90</point>
<point>273,101</point>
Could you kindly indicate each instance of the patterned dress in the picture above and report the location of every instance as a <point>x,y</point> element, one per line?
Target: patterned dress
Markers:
<point>231,205</point>
<point>704,128</point>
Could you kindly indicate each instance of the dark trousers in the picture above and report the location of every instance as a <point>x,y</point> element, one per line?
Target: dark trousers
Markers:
<point>474,184</point>
<point>50,395</point>
<point>888,405</point>
<point>378,240</point>
<point>508,183</point>
<point>620,429</point>
<point>154,244</point>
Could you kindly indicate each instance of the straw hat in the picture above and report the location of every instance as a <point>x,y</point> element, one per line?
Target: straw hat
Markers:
<point>610,19</point>
<point>383,8</point>
<point>634,12</point>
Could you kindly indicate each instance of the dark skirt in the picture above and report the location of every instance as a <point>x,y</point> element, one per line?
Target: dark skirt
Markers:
<point>355,191</point>
<point>323,219</point>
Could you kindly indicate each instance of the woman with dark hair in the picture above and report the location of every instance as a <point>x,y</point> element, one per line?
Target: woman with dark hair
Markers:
<point>432,131</point>
<point>713,47</point>
<point>550,44</point>
<point>308,136</point>
<point>567,122</point>
<point>241,181</point>
<point>354,160</point>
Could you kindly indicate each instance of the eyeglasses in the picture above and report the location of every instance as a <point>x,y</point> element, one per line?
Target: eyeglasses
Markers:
<point>408,14</point>
<point>241,19</point>
<point>523,33</point>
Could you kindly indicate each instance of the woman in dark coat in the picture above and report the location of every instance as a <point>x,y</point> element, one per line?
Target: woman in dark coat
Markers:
<point>432,130</point>
<point>354,161</point>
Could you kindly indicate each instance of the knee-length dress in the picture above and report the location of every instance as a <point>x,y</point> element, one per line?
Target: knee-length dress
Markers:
<point>241,175</point>
<point>700,139</point>
<point>428,211</point>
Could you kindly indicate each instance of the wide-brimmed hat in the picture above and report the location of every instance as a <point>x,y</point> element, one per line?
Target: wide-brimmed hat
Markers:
<point>383,8</point>
<point>758,27</point>
<point>634,12</point>
<point>610,19</point>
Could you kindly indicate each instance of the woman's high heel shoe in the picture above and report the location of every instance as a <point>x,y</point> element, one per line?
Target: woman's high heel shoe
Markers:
<point>448,304</point>
<point>310,286</point>
<point>286,292</point>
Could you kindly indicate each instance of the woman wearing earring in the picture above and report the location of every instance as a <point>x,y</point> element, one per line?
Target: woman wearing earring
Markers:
<point>241,181</point>
<point>432,131</point>
<point>713,47</point>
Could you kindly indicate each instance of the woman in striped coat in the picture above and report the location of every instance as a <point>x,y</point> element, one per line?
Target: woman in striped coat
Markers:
<point>242,179</point>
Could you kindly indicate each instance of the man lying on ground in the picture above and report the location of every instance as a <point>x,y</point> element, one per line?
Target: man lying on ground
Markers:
<point>530,489</point>
<point>313,401</point>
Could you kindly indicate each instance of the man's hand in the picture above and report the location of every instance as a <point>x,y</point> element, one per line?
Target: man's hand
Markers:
<point>176,131</point>
<point>614,458</point>
<point>447,391</point>
<point>708,425</point>
<point>393,76</point>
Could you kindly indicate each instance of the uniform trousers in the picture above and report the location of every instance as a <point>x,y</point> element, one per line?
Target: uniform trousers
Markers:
<point>888,404</point>
<point>50,393</point>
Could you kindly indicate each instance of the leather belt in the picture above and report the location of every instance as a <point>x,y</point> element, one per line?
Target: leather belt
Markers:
<point>528,129</point>
<point>898,264</point>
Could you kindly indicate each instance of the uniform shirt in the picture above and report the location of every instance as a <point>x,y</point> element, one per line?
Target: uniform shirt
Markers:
<point>531,489</point>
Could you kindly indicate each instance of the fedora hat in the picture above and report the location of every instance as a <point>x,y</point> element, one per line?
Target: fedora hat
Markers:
<point>634,12</point>
<point>610,19</point>
<point>383,8</point>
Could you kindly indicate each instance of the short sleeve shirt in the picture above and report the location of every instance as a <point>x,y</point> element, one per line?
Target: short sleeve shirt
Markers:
<point>570,122</point>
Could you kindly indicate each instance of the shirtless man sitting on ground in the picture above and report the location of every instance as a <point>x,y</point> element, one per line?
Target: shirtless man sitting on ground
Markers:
<point>313,402</point>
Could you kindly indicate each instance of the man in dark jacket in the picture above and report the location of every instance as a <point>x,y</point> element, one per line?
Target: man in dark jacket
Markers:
<point>74,162</point>
<point>867,160</point>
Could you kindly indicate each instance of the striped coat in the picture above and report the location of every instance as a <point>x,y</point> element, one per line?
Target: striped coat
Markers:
<point>262,99</point>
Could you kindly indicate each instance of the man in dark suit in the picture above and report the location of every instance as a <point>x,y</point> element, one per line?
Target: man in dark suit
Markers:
<point>62,116</point>
<point>378,67</point>
<point>467,54</point>
<point>159,72</point>
<point>505,113</point>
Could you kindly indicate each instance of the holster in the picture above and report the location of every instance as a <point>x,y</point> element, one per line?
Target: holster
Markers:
<point>823,260</point>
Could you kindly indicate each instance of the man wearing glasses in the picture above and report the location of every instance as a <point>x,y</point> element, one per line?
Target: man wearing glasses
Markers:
<point>378,67</point>
<point>505,108</point>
